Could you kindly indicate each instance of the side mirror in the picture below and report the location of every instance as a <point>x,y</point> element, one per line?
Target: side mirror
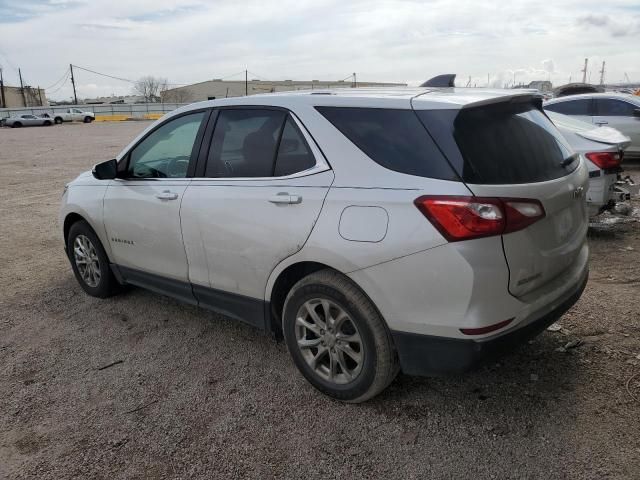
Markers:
<point>106,170</point>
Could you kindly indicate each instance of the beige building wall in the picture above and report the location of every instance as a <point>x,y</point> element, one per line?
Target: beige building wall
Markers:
<point>215,89</point>
<point>34,97</point>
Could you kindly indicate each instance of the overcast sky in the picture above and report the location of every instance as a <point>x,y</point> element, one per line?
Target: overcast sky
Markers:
<point>403,41</point>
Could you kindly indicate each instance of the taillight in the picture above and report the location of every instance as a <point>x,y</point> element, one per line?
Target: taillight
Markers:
<point>464,218</point>
<point>605,160</point>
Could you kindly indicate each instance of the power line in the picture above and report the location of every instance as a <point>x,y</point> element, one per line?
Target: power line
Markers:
<point>61,85</point>
<point>105,75</point>
<point>63,78</point>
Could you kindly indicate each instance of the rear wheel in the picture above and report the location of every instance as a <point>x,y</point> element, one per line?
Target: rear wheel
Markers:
<point>90,262</point>
<point>58,120</point>
<point>337,338</point>
<point>16,125</point>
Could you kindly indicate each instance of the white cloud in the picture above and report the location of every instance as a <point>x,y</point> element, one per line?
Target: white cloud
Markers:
<point>408,41</point>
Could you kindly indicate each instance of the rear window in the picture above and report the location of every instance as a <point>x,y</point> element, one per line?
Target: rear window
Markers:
<point>392,138</point>
<point>504,143</point>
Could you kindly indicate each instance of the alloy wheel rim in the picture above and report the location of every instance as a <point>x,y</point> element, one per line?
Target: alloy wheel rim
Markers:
<point>86,259</point>
<point>329,341</point>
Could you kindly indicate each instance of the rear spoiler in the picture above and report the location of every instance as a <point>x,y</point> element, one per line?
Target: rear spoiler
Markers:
<point>523,96</point>
<point>445,80</point>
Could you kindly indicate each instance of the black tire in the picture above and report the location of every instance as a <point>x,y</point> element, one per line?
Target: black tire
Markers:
<point>107,284</point>
<point>379,364</point>
<point>47,124</point>
<point>16,125</point>
<point>58,120</point>
<point>88,119</point>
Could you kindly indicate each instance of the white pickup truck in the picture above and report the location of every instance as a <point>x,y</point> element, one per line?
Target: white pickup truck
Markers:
<point>73,115</point>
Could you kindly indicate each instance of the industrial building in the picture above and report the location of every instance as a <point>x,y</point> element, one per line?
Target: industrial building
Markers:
<point>217,88</point>
<point>17,97</point>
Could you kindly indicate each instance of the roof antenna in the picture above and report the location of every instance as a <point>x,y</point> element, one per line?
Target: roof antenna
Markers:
<point>445,80</point>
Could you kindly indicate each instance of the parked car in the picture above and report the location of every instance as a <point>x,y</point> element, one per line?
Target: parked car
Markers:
<point>26,120</point>
<point>377,230</point>
<point>616,110</point>
<point>73,115</point>
<point>603,148</point>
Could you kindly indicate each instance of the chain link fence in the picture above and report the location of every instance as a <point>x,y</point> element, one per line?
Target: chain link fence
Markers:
<point>134,110</point>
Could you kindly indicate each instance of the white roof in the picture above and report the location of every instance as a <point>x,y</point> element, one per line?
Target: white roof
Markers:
<point>389,97</point>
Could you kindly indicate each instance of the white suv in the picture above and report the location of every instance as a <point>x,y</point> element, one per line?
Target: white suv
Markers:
<point>421,230</point>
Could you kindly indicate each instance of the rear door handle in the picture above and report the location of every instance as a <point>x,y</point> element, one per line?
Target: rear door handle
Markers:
<point>285,198</point>
<point>167,195</point>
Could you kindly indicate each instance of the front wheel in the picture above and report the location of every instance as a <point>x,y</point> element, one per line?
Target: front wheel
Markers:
<point>337,338</point>
<point>90,262</point>
<point>88,119</point>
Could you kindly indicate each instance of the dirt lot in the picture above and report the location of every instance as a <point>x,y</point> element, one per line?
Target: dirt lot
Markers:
<point>196,395</point>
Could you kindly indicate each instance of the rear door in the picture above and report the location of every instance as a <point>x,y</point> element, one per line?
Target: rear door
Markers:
<point>142,206</point>
<point>619,114</point>
<point>511,149</point>
<point>258,192</point>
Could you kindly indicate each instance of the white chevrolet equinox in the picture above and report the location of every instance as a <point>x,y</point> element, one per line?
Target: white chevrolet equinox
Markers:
<point>422,230</point>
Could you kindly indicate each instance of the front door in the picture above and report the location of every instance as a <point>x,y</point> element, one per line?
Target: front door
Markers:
<point>254,205</point>
<point>142,209</point>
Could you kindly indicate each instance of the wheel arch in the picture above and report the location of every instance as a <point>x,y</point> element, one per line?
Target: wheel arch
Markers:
<point>285,278</point>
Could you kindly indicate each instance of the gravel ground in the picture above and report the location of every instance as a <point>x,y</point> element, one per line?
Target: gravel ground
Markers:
<point>191,394</point>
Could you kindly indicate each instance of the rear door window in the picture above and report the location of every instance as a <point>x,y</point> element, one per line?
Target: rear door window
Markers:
<point>609,107</point>
<point>572,107</point>
<point>244,143</point>
<point>294,154</point>
<point>392,138</point>
<point>504,143</point>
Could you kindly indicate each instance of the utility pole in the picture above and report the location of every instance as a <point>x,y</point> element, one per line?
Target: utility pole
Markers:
<point>584,71</point>
<point>4,101</point>
<point>40,96</point>
<point>73,82</point>
<point>24,98</point>
<point>602,74</point>
<point>355,80</point>
<point>246,83</point>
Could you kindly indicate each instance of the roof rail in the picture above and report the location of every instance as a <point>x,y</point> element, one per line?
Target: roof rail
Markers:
<point>444,80</point>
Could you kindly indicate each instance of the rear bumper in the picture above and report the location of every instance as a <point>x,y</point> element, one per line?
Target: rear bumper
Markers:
<point>428,355</point>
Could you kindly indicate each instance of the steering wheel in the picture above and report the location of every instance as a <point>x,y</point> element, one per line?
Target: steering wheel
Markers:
<point>177,166</point>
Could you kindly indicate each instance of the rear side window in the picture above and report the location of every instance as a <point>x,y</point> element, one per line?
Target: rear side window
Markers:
<point>394,139</point>
<point>608,107</point>
<point>571,107</point>
<point>505,143</point>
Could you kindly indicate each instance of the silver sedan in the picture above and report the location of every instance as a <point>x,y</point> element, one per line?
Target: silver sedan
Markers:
<point>27,120</point>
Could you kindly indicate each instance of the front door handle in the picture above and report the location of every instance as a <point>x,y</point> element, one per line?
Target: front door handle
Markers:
<point>285,198</point>
<point>167,195</point>
<point>602,122</point>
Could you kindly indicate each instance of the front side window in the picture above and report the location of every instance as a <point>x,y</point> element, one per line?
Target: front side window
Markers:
<point>166,152</point>
<point>571,107</point>
<point>607,107</point>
